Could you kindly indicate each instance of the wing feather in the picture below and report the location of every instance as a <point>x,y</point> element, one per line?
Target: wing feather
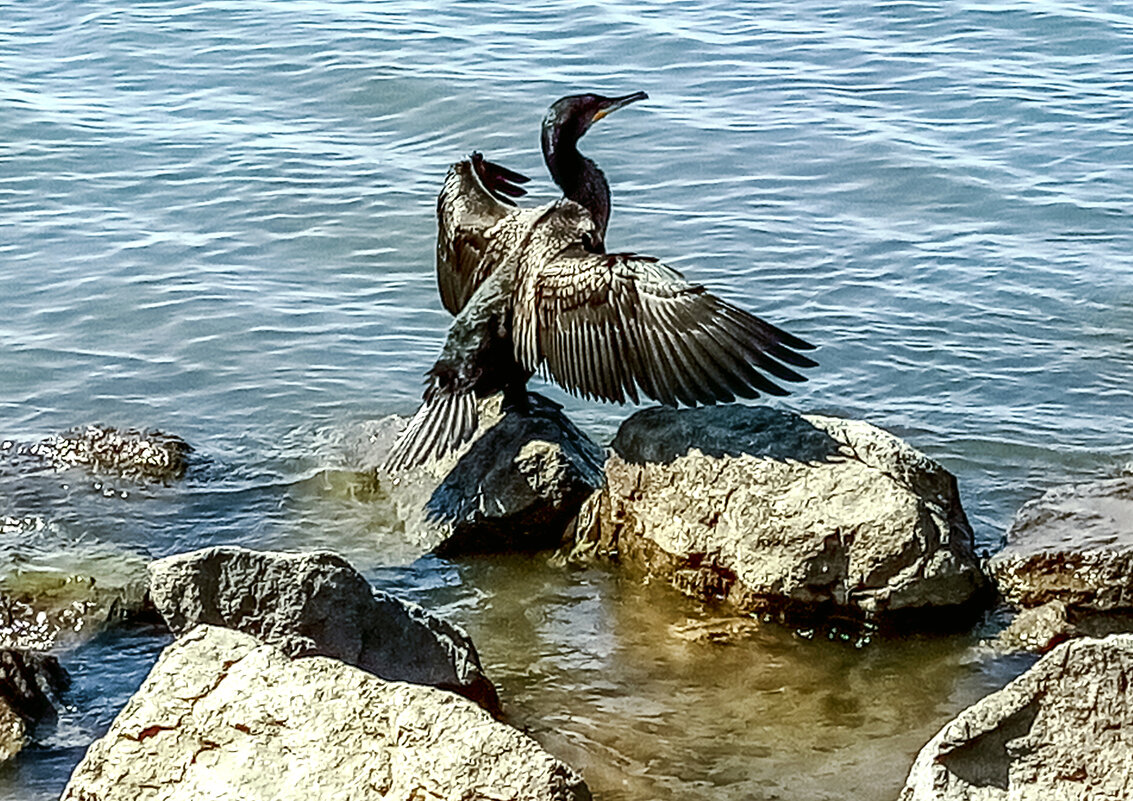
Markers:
<point>471,208</point>
<point>612,325</point>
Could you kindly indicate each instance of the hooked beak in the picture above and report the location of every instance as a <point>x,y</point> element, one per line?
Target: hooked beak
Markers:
<point>615,103</point>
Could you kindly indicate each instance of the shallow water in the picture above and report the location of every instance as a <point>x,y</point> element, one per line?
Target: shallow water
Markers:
<point>218,221</point>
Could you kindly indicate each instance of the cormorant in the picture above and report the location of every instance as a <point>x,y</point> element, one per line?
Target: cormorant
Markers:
<point>535,289</point>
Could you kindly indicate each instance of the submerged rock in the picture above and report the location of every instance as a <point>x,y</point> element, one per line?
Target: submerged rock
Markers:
<point>1073,545</point>
<point>143,455</point>
<point>516,486</point>
<point>775,511</point>
<point>1062,730</point>
<point>30,683</point>
<point>56,589</point>
<point>317,604</point>
<point>222,716</point>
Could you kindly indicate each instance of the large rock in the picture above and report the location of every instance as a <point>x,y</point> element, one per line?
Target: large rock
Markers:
<point>775,511</point>
<point>222,716</point>
<point>144,455</point>
<point>317,604</point>
<point>1062,730</point>
<point>1073,545</point>
<point>516,486</point>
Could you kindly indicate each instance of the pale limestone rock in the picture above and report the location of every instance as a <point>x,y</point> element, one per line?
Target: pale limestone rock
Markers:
<point>223,717</point>
<point>1073,545</point>
<point>1063,731</point>
<point>772,510</point>
<point>316,603</point>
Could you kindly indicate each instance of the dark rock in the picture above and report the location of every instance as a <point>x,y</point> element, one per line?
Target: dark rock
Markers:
<point>30,683</point>
<point>317,604</point>
<point>142,455</point>
<point>516,486</point>
<point>778,512</point>
<point>1059,731</point>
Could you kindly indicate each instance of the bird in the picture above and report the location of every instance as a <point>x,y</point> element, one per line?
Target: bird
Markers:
<point>534,289</point>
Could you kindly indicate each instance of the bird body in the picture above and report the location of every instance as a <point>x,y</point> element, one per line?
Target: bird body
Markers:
<point>534,289</point>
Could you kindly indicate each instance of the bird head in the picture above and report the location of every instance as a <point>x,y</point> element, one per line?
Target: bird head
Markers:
<point>570,117</point>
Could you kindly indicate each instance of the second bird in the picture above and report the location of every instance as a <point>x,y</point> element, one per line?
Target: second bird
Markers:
<point>535,289</point>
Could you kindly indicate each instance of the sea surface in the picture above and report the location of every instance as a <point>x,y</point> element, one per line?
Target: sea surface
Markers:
<point>217,220</point>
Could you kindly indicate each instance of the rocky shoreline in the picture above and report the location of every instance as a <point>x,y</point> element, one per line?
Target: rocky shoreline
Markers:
<point>291,677</point>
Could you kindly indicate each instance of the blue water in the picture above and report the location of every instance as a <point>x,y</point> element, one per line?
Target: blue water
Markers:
<point>216,219</point>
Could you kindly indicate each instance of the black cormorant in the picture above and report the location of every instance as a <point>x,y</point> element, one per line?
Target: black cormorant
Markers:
<point>535,289</point>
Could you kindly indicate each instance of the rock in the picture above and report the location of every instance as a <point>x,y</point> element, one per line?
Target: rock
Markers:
<point>222,716</point>
<point>516,486</point>
<point>317,604</point>
<point>13,732</point>
<point>30,682</point>
<point>1062,730</point>
<point>721,630</point>
<point>57,589</point>
<point>778,512</point>
<point>1038,629</point>
<point>1073,545</point>
<point>144,455</point>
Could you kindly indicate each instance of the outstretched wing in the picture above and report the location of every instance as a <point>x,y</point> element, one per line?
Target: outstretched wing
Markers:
<point>475,198</point>
<point>607,325</point>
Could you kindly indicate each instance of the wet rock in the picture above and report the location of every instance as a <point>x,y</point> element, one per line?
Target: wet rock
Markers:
<point>1038,629</point>
<point>721,630</point>
<point>13,732</point>
<point>56,590</point>
<point>778,512</point>
<point>222,716</point>
<point>516,486</point>
<point>1062,730</point>
<point>1073,545</point>
<point>30,683</point>
<point>317,604</point>
<point>143,455</point>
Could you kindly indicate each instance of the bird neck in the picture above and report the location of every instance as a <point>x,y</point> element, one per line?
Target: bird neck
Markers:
<point>579,178</point>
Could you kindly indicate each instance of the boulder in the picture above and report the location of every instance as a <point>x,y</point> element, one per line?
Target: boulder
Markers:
<point>30,683</point>
<point>774,511</point>
<point>516,485</point>
<point>222,716</point>
<point>1062,730</point>
<point>317,604</point>
<point>143,455</point>
<point>1073,545</point>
